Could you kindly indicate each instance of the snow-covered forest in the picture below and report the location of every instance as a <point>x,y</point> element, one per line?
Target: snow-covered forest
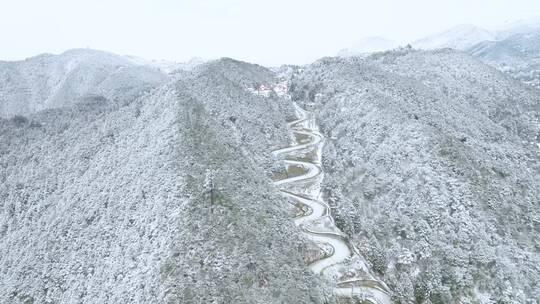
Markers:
<point>432,166</point>
<point>123,181</point>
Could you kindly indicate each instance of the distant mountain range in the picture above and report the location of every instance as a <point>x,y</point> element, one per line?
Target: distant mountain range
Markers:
<point>518,55</point>
<point>460,37</point>
<point>513,48</point>
<point>51,81</point>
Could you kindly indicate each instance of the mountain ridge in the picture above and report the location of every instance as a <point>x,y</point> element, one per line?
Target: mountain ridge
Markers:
<point>164,192</point>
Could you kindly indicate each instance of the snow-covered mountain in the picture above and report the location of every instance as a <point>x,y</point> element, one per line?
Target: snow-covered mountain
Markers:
<point>517,55</point>
<point>368,45</point>
<point>431,164</point>
<point>107,204</point>
<point>50,81</point>
<point>463,37</point>
<point>120,183</point>
<point>514,48</point>
<point>460,37</point>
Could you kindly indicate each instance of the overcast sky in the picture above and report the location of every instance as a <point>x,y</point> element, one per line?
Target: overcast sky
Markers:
<point>268,32</point>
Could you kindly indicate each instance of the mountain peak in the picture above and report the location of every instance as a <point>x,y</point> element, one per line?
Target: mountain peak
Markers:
<point>458,37</point>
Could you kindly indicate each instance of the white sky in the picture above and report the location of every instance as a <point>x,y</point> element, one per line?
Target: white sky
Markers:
<point>268,32</point>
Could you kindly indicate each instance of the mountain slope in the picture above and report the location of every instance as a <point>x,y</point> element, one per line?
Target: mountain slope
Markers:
<point>51,81</point>
<point>120,184</point>
<point>107,203</point>
<point>459,37</point>
<point>432,166</point>
<point>517,55</point>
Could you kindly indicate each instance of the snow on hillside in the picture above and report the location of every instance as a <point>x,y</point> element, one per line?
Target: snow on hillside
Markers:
<point>429,167</point>
<point>463,37</point>
<point>430,161</point>
<point>109,205</point>
<point>50,81</point>
<point>459,37</point>
<point>517,55</point>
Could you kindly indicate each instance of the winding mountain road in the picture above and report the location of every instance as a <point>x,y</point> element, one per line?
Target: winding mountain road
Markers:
<point>343,264</point>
